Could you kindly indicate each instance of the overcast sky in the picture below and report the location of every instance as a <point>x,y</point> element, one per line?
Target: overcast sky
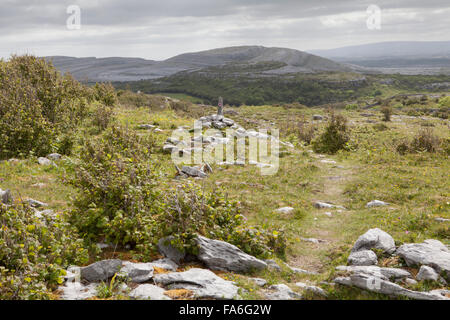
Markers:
<point>160,29</point>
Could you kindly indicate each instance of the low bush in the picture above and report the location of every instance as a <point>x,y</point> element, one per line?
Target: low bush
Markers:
<point>105,94</point>
<point>116,180</point>
<point>190,211</point>
<point>34,253</point>
<point>335,137</point>
<point>102,117</point>
<point>37,104</point>
<point>387,113</point>
<point>424,141</point>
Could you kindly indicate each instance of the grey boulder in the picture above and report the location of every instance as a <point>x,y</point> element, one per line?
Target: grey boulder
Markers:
<point>101,270</point>
<point>362,258</point>
<point>169,251</point>
<point>375,239</point>
<point>220,255</point>
<point>376,203</point>
<point>430,253</point>
<point>137,272</point>
<point>427,273</point>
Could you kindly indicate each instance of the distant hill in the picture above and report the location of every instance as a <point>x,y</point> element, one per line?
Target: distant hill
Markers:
<point>132,69</point>
<point>407,55</point>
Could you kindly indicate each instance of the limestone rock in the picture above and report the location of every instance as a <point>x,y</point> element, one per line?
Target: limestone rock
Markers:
<point>430,253</point>
<point>363,258</point>
<point>272,265</point>
<point>137,272</point>
<point>165,264</point>
<point>204,283</point>
<point>45,162</point>
<point>101,270</point>
<point>148,292</point>
<point>220,255</point>
<point>54,156</point>
<point>169,251</point>
<point>379,285</point>
<point>78,291</point>
<point>375,238</point>
<point>193,172</point>
<point>325,205</point>
<point>376,203</point>
<point>285,210</point>
<point>313,289</point>
<point>36,204</point>
<point>281,292</point>
<point>5,196</point>
<point>259,282</point>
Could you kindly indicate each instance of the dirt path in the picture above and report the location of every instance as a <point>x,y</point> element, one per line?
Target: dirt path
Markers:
<point>333,179</point>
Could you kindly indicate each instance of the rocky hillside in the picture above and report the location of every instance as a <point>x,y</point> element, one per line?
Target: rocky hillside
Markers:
<point>132,69</point>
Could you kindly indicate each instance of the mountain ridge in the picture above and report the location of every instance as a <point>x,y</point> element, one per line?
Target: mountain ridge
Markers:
<point>132,69</point>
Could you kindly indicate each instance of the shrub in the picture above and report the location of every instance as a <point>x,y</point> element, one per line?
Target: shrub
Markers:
<point>425,140</point>
<point>105,93</point>
<point>335,137</point>
<point>102,116</point>
<point>387,113</point>
<point>34,253</point>
<point>116,180</point>
<point>36,105</point>
<point>303,132</point>
<point>190,211</point>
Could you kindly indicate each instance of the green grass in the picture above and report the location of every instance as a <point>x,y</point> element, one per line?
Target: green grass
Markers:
<point>417,186</point>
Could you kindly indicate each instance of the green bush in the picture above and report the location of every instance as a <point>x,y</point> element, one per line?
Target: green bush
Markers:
<point>102,116</point>
<point>105,93</point>
<point>36,105</point>
<point>116,180</point>
<point>387,113</point>
<point>335,137</point>
<point>34,253</point>
<point>190,211</point>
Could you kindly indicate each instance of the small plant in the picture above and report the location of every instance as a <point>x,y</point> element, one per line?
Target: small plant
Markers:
<point>34,253</point>
<point>105,94</point>
<point>102,117</point>
<point>425,140</point>
<point>387,113</point>
<point>335,137</point>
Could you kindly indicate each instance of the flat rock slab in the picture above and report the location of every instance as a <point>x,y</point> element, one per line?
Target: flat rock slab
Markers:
<point>165,264</point>
<point>326,205</point>
<point>377,272</point>
<point>313,289</point>
<point>101,270</point>
<point>379,285</point>
<point>220,255</point>
<point>204,283</point>
<point>375,239</point>
<point>193,172</point>
<point>376,203</point>
<point>78,291</point>
<point>137,272</point>
<point>148,292</point>
<point>430,253</point>
<point>285,210</point>
<point>281,292</point>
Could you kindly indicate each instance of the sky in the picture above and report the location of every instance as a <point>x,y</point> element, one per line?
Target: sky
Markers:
<point>161,29</point>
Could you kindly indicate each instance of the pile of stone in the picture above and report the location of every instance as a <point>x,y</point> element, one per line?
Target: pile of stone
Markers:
<point>82,282</point>
<point>431,256</point>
